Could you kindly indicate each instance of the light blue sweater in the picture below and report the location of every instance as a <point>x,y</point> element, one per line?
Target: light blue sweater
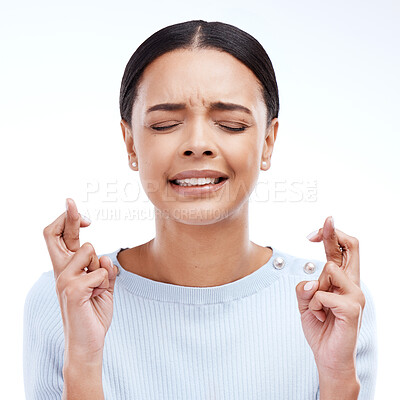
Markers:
<point>242,340</point>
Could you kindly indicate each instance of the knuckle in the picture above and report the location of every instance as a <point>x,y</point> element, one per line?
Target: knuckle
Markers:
<point>317,296</point>
<point>331,267</point>
<point>88,248</point>
<point>69,291</point>
<point>73,236</point>
<point>351,242</point>
<point>314,306</point>
<point>60,284</point>
<point>331,251</point>
<point>46,231</point>
<point>354,242</point>
<point>74,217</point>
<point>104,262</point>
<point>104,273</point>
<point>362,299</point>
<point>315,301</point>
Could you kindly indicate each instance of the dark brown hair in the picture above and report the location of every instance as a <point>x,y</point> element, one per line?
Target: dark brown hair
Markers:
<point>200,34</point>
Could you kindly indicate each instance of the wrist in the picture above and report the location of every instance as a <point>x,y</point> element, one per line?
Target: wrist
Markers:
<point>82,375</point>
<point>76,362</point>
<point>77,355</point>
<point>342,385</point>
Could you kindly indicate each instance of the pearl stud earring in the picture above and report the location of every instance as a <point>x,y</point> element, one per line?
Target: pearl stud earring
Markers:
<point>134,164</point>
<point>264,164</point>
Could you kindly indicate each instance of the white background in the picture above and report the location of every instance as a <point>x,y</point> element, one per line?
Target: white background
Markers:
<point>337,66</point>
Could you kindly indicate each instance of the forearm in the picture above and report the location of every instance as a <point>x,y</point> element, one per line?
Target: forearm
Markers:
<point>339,387</point>
<point>82,378</point>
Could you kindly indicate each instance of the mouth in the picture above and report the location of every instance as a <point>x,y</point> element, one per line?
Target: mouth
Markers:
<point>197,181</point>
<point>197,186</point>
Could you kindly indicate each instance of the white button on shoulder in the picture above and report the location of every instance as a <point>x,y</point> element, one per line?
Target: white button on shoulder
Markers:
<point>279,263</point>
<point>309,268</point>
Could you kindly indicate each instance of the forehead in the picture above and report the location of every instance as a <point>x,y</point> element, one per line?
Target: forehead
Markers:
<point>198,77</point>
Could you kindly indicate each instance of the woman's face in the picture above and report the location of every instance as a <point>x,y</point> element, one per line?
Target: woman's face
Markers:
<point>199,110</point>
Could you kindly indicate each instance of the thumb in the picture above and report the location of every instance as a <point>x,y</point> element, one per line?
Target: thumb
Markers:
<point>305,291</point>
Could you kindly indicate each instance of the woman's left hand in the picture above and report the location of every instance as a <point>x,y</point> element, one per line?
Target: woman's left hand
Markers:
<point>331,311</point>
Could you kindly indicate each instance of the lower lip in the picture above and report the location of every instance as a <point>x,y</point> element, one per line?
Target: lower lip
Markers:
<point>197,190</point>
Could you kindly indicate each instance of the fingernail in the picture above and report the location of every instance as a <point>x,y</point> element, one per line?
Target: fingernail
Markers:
<point>87,219</point>
<point>66,204</point>
<point>319,319</point>
<point>313,234</point>
<point>309,285</point>
<point>333,224</point>
<point>111,263</point>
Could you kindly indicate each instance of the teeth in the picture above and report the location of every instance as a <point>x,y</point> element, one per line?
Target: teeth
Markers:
<point>195,181</point>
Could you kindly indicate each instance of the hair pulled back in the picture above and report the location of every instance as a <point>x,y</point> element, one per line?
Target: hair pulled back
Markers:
<point>203,35</point>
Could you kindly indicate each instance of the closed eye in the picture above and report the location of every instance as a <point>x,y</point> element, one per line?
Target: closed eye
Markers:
<point>241,129</point>
<point>163,128</point>
<point>229,128</point>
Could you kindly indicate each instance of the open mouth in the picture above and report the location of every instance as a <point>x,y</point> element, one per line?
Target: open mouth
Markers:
<point>197,182</point>
<point>197,186</point>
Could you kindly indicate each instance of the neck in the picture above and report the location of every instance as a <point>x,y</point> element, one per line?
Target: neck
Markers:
<point>203,255</point>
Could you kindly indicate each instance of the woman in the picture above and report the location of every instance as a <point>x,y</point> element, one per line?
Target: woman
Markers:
<point>200,311</point>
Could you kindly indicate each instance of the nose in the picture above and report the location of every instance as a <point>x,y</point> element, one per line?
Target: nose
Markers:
<point>199,141</point>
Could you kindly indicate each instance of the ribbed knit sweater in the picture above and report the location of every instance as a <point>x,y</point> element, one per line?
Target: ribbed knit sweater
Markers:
<point>241,340</point>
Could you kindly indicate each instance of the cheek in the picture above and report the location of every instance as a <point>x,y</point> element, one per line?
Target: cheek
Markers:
<point>155,159</point>
<point>244,156</point>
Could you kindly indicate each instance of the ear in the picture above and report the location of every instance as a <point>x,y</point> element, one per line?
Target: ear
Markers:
<point>130,146</point>
<point>269,142</point>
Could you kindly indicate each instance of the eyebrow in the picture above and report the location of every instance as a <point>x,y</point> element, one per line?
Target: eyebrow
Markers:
<point>219,106</point>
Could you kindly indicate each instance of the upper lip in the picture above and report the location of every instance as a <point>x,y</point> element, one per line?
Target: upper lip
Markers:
<point>203,173</point>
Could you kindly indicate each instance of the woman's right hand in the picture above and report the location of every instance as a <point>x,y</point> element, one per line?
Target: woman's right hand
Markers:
<point>84,284</point>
